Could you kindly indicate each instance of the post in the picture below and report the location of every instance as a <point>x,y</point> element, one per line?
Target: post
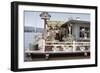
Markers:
<point>69,28</point>
<point>44,33</point>
<point>74,46</point>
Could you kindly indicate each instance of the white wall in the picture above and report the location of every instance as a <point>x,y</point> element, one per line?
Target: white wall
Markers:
<point>5,35</point>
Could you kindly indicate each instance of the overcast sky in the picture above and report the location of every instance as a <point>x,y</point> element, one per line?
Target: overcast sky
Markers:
<point>33,19</point>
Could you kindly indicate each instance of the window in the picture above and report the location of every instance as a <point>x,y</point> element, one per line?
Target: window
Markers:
<point>84,32</point>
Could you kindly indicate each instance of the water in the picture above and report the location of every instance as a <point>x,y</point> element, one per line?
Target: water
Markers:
<point>30,37</point>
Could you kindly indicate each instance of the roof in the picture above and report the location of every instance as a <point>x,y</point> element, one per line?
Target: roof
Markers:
<point>75,22</point>
<point>55,23</point>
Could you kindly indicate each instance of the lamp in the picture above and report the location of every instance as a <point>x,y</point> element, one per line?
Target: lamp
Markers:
<point>45,16</point>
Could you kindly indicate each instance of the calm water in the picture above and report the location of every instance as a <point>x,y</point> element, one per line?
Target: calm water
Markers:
<point>29,37</point>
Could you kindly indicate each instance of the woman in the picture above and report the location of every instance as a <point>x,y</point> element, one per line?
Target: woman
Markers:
<point>41,44</point>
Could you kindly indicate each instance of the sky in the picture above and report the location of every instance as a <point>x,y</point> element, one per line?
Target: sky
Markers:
<point>33,19</point>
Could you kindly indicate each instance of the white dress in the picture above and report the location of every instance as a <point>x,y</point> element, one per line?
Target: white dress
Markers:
<point>41,45</point>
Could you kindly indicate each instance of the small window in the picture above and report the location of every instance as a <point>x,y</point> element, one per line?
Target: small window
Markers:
<point>84,32</point>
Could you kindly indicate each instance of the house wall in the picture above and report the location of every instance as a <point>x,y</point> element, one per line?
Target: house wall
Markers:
<point>75,31</point>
